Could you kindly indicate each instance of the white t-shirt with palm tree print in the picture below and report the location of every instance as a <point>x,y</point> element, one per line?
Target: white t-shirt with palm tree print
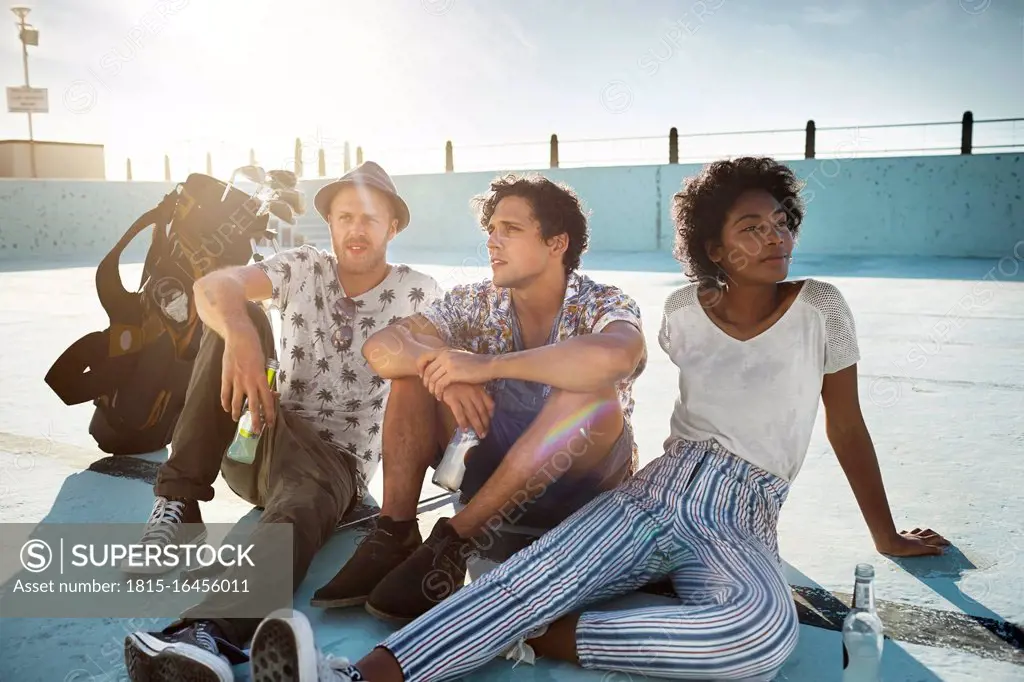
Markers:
<point>323,376</point>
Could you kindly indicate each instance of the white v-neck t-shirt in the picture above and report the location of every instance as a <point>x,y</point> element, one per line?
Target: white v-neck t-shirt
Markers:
<point>758,398</point>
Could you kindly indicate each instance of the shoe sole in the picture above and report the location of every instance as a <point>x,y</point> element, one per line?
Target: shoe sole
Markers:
<point>387,617</point>
<point>283,650</point>
<point>348,602</point>
<point>184,663</point>
<point>148,659</point>
<point>338,603</point>
<point>139,652</point>
<point>393,619</point>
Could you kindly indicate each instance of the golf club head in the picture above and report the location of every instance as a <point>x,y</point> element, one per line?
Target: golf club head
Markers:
<point>294,198</point>
<point>281,179</point>
<point>282,211</point>
<point>251,173</point>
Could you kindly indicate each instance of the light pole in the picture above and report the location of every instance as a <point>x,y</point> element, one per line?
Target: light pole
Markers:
<point>28,36</point>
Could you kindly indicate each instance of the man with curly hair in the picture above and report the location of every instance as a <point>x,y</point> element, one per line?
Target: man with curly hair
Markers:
<point>755,354</point>
<point>539,361</point>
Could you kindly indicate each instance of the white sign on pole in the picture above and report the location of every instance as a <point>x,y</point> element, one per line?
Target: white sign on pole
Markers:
<point>22,100</point>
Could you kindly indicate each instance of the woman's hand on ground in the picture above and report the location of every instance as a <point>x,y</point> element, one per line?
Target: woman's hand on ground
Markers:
<point>917,542</point>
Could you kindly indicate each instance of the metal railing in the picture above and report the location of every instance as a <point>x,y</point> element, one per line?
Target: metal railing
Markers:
<point>966,136</point>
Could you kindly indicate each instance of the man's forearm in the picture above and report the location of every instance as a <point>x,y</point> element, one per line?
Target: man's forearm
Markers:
<point>393,351</point>
<point>856,455</point>
<point>580,364</point>
<point>221,305</point>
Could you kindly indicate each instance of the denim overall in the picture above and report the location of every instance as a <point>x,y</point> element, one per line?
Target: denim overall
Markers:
<point>516,404</point>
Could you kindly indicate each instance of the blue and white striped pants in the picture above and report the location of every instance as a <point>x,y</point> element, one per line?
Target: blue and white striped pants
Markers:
<point>697,514</point>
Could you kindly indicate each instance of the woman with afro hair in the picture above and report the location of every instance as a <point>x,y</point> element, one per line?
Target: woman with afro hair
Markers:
<point>755,353</point>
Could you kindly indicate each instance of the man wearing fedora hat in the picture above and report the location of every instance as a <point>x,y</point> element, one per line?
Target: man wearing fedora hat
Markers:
<point>539,360</point>
<point>323,425</point>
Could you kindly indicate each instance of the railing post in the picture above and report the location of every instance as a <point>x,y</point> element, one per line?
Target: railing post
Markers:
<point>167,168</point>
<point>967,133</point>
<point>348,158</point>
<point>554,151</point>
<point>252,156</point>
<point>449,158</point>
<point>359,156</point>
<point>673,145</point>
<point>298,157</point>
<point>809,140</point>
<point>209,164</point>
<point>129,168</point>
<point>321,163</point>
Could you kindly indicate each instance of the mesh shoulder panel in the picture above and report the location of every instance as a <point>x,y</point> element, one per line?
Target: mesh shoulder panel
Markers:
<point>680,298</point>
<point>842,349</point>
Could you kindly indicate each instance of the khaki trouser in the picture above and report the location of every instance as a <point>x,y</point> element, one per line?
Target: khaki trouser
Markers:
<point>295,478</point>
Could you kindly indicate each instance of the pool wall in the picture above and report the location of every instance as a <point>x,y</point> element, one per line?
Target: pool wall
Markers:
<point>963,206</point>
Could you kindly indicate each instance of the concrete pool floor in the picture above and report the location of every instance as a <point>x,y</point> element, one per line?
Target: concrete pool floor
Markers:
<point>942,387</point>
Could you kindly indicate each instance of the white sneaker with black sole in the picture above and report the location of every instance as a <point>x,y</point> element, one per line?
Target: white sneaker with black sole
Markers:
<point>284,650</point>
<point>191,653</point>
<point>171,522</point>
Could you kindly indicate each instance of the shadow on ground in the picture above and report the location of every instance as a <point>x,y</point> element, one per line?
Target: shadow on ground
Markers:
<point>80,649</point>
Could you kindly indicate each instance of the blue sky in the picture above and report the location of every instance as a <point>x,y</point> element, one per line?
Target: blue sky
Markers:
<point>146,77</point>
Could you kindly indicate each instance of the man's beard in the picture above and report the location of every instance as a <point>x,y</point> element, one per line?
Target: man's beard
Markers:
<point>365,261</point>
<point>361,264</point>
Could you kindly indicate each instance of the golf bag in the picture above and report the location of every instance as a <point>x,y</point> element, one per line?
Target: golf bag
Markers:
<point>137,370</point>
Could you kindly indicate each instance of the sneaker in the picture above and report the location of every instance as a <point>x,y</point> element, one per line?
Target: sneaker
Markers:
<point>520,651</point>
<point>435,571</point>
<point>284,650</point>
<point>181,653</point>
<point>173,521</point>
<point>384,549</point>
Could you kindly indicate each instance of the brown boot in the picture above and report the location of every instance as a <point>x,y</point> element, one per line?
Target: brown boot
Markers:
<point>432,573</point>
<point>389,545</point>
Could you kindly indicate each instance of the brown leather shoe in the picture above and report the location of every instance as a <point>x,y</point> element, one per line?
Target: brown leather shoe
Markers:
<point>384,549</point>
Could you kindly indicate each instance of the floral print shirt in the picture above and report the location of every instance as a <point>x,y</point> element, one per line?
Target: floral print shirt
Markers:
<point>478,318</point>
